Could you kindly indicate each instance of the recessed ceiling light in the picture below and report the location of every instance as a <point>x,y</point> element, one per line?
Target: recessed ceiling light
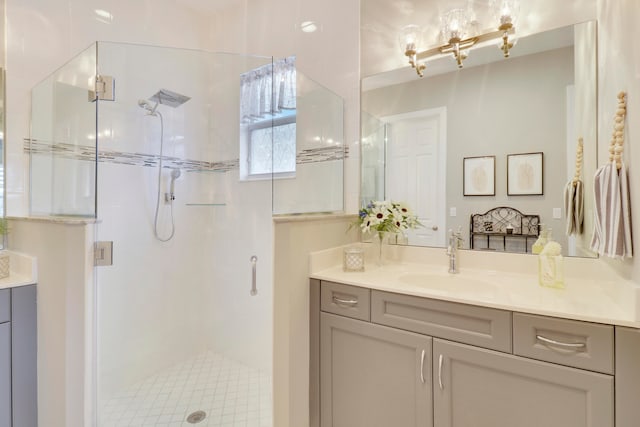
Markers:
<point>308,27</point>
<point>103,15</point>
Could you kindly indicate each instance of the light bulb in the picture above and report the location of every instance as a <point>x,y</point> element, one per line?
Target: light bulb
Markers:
<point>505,12</point>
<point>410,38</point>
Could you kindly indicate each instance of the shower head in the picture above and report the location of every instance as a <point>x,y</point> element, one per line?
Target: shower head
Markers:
<point>169,98</point>
<point>175,173</point>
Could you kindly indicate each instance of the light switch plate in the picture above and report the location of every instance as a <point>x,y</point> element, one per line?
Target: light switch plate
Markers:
<point>453,211</point>
<point>557,213</point>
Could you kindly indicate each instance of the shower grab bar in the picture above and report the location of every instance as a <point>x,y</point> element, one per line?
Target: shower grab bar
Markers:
<point>254,289</point>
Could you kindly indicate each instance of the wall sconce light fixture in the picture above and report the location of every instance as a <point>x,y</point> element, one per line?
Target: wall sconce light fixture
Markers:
<point>455,29</point>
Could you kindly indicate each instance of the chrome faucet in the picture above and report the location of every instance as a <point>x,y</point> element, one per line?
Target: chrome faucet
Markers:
<point>455,242</point>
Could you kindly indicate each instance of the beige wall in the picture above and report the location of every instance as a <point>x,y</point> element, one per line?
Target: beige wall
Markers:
<point>294,240</point>
<point>65,317</point>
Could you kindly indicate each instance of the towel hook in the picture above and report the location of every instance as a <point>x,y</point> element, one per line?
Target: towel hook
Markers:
<point>579,157</point>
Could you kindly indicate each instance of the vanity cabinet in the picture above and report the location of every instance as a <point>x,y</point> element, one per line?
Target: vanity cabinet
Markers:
<point>5,374</point>
<point>18,379</point>
<point>424,362</point>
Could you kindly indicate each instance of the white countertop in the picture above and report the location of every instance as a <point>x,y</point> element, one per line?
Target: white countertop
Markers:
<point>22,271</point>
<point>590,294</point>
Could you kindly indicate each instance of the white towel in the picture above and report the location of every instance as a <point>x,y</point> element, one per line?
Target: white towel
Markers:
<point>612,216</point>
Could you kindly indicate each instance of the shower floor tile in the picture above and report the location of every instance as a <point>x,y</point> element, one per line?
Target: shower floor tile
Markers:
<point>230,393</point>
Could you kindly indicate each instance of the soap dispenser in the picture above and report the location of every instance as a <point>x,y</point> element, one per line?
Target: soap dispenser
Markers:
<point>550,264</point>
<point>539,244</point>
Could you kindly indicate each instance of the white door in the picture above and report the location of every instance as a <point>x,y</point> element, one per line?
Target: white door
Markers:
<point>416,168</point>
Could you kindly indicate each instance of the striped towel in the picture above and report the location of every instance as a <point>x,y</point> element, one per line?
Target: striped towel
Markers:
<point>612,219</point>
<point>574,207</point>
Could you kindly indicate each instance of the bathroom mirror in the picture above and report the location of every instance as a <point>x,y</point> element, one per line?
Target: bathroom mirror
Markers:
<point>3,97</point>
<point>422,138</point>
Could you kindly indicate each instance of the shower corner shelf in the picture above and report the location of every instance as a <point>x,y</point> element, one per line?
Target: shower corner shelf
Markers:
<point>205,204</point>
<point>206,171</point>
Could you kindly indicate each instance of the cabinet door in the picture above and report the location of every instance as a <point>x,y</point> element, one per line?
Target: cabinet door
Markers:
<point>483,388</point>
<point>373,376</point>
<point>24,356</point>
<point>5,374</point>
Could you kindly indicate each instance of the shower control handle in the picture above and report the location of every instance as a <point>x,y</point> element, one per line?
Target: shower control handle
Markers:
<point>254,289</point>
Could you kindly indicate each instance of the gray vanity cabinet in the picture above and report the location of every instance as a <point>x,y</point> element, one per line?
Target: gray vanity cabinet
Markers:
<point>18,379</point>
<point>388,359</point>
<point>372,375</point>
<point>5,374</point>
<point>484,388</point>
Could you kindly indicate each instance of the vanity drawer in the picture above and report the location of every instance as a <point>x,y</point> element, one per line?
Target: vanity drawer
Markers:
<point>5,305</point>
<point>566,342</point>
<point>345,300</point>
<point>469,324</point>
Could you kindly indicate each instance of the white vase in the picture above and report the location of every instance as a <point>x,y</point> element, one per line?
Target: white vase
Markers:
<point>378,243</point>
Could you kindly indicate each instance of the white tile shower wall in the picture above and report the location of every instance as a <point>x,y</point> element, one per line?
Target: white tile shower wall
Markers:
<point>43,34</point>
<point>150,301</point>
<point>329,56</point>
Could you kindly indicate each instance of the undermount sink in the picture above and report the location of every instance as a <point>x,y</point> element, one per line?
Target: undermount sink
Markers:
<point>446,282</point>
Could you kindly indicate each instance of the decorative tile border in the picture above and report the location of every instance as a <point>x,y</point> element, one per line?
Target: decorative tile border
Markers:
<point>87,153</point>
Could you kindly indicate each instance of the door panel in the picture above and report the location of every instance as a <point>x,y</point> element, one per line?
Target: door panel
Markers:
<point>483,388</point>
<point>372,376</point>
<point>416,150</point>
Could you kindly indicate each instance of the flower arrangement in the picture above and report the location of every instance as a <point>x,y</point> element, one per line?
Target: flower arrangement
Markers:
<point>384,216</point>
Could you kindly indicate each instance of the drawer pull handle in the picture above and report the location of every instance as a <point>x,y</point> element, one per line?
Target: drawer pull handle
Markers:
<point>422,367</point>
<point>440,360</point>
<point>559,343</point>
<point>347,302</point>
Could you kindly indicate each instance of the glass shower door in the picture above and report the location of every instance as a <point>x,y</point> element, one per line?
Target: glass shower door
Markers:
<point>62,144</point>
<point>180,337</point>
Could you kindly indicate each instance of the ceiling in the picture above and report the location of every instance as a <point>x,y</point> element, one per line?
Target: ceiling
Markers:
<point>209,6</point>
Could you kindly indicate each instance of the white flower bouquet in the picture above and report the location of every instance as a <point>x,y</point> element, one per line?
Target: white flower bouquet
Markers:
<point>383,216</point>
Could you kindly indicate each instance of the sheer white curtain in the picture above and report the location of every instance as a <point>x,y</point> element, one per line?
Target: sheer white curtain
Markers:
<point>268,91</point>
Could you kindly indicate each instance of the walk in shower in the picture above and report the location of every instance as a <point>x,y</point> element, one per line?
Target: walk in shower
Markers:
<point>152,143</point>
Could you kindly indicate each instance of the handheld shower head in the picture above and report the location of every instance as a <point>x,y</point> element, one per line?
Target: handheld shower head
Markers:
<point>175,174</point>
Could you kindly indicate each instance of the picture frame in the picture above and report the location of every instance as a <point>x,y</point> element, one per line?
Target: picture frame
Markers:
<point>479,176</point>
<point>525,174</point>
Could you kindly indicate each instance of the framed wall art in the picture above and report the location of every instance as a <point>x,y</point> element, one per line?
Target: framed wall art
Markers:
<point>525,174</point>
<point>479,176</point>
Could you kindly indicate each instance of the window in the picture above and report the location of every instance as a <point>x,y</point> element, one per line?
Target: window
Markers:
<point>268,121</point>
<point>262,157</point>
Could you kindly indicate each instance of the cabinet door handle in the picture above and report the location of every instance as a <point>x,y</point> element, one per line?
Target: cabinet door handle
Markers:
<point>440,360</point>
<point>422,367</point>
<point>561,344</point>
<point>349,302</point>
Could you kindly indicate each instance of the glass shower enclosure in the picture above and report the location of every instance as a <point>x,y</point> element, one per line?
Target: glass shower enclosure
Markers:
<point>148,141</point>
